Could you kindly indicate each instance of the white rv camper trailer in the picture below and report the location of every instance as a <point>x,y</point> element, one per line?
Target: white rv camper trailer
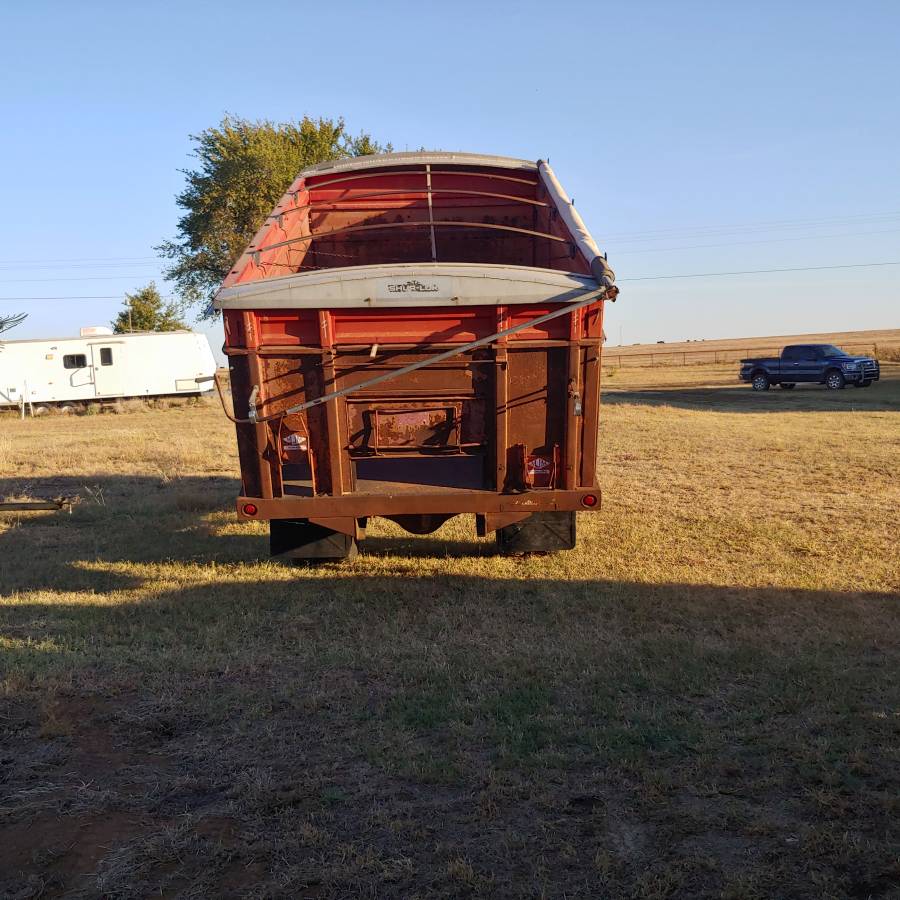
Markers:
<point>101,365</point>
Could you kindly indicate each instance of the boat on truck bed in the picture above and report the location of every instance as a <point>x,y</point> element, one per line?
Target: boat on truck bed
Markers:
<point>99,365</point>
<point>417,336</point>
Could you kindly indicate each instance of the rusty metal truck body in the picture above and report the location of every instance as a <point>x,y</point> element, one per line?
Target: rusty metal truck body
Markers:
<point>416,336</point>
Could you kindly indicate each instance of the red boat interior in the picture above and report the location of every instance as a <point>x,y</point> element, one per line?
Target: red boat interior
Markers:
<point>410,214</point>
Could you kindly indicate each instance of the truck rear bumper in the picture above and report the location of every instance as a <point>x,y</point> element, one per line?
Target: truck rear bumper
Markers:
<point>361,506</point>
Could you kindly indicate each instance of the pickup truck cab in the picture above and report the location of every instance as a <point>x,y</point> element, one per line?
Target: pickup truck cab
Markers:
<point>815,363</point>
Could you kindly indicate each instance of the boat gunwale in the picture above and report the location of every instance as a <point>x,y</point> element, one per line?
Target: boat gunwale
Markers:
<point>262,293</point>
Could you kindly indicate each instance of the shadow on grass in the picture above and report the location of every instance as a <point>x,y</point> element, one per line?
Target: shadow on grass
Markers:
<point>143,520</point>
<point>551,732</point>
<point>653,724</point>
<point>127,534</point>
<point>140,519</point>
<point>422,546</point>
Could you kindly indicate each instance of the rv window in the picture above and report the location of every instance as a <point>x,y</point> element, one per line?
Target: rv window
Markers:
<point>74,360</point>
<point>106,356</point>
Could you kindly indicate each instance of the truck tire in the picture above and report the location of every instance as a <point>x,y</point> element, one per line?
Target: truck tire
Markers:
<point>544,532</point>
<point>297,540</point>
<point>760,381</point>
<point>787,386</point>
<point>861,384</point>
<point>834,380</point>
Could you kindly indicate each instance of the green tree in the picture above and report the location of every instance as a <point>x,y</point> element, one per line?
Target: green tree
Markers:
<point>145,310</point>
<point>244,169</point>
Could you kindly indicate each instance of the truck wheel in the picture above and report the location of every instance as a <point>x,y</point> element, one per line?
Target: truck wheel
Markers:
<point>834,380</point>
<point>786,386</point>
<point>864,383</point>
<point>296,540</point>
<point>545,532</point>
<point>760,382</point>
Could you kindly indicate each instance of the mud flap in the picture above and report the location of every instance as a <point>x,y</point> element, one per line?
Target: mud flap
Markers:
<point>299,539</point>
<point>543,532</point>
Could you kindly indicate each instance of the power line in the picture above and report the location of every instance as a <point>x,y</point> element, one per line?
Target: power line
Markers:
<point>77,278</point>
<point>810,237</point>
<point>157,269</point>
<point>762,271</point>
<point>92,297</point>
<point>634,278</point>
<point>623,237</point>
<point>74,267</point>
<point>73,259</point>
<point>651,235</point>
<point>712,230</point>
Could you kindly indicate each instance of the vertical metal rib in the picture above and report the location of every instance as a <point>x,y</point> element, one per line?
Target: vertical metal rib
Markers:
<point>430,212</point>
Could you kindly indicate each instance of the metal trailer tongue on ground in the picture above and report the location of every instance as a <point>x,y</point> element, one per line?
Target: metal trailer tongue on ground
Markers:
<point>416,336</point>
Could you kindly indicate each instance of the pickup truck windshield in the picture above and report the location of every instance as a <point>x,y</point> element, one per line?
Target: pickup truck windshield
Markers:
<point>828,351</point>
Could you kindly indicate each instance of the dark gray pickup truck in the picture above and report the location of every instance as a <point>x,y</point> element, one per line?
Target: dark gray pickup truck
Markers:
<point>816,363</point>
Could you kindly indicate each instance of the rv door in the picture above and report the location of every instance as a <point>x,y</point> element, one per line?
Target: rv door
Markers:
<point>107,361</point>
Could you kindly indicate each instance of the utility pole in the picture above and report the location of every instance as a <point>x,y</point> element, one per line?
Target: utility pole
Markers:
<point>130,329</point>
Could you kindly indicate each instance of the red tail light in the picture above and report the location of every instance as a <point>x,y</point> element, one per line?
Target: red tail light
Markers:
<point>249,509</point>
<point>589,500</point>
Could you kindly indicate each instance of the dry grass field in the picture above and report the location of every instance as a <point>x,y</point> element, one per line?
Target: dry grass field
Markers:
<point>702,700</point>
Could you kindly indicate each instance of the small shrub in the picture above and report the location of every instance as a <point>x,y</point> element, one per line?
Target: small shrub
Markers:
<point>461,870</point>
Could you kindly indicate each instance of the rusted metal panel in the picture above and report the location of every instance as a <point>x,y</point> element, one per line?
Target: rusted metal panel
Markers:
<point>488,522</point>
<point>341,524</point>
<point>417,428</point>
<point>591,402</point>
<point>438,502</point>
<point>501,401</point>
<point>333,431</point>
<point>298,326</point>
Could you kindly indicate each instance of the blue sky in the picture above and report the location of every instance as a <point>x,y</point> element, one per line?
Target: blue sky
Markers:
<point>694,137</point>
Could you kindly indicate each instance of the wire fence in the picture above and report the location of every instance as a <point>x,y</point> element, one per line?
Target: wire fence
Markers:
<point>663,357</point>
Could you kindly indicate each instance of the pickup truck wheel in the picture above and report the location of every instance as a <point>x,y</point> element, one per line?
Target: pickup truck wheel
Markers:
<point>864,383</point>
<point>760,382</point>
<point>834,381</point>
<point>787,386</point>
